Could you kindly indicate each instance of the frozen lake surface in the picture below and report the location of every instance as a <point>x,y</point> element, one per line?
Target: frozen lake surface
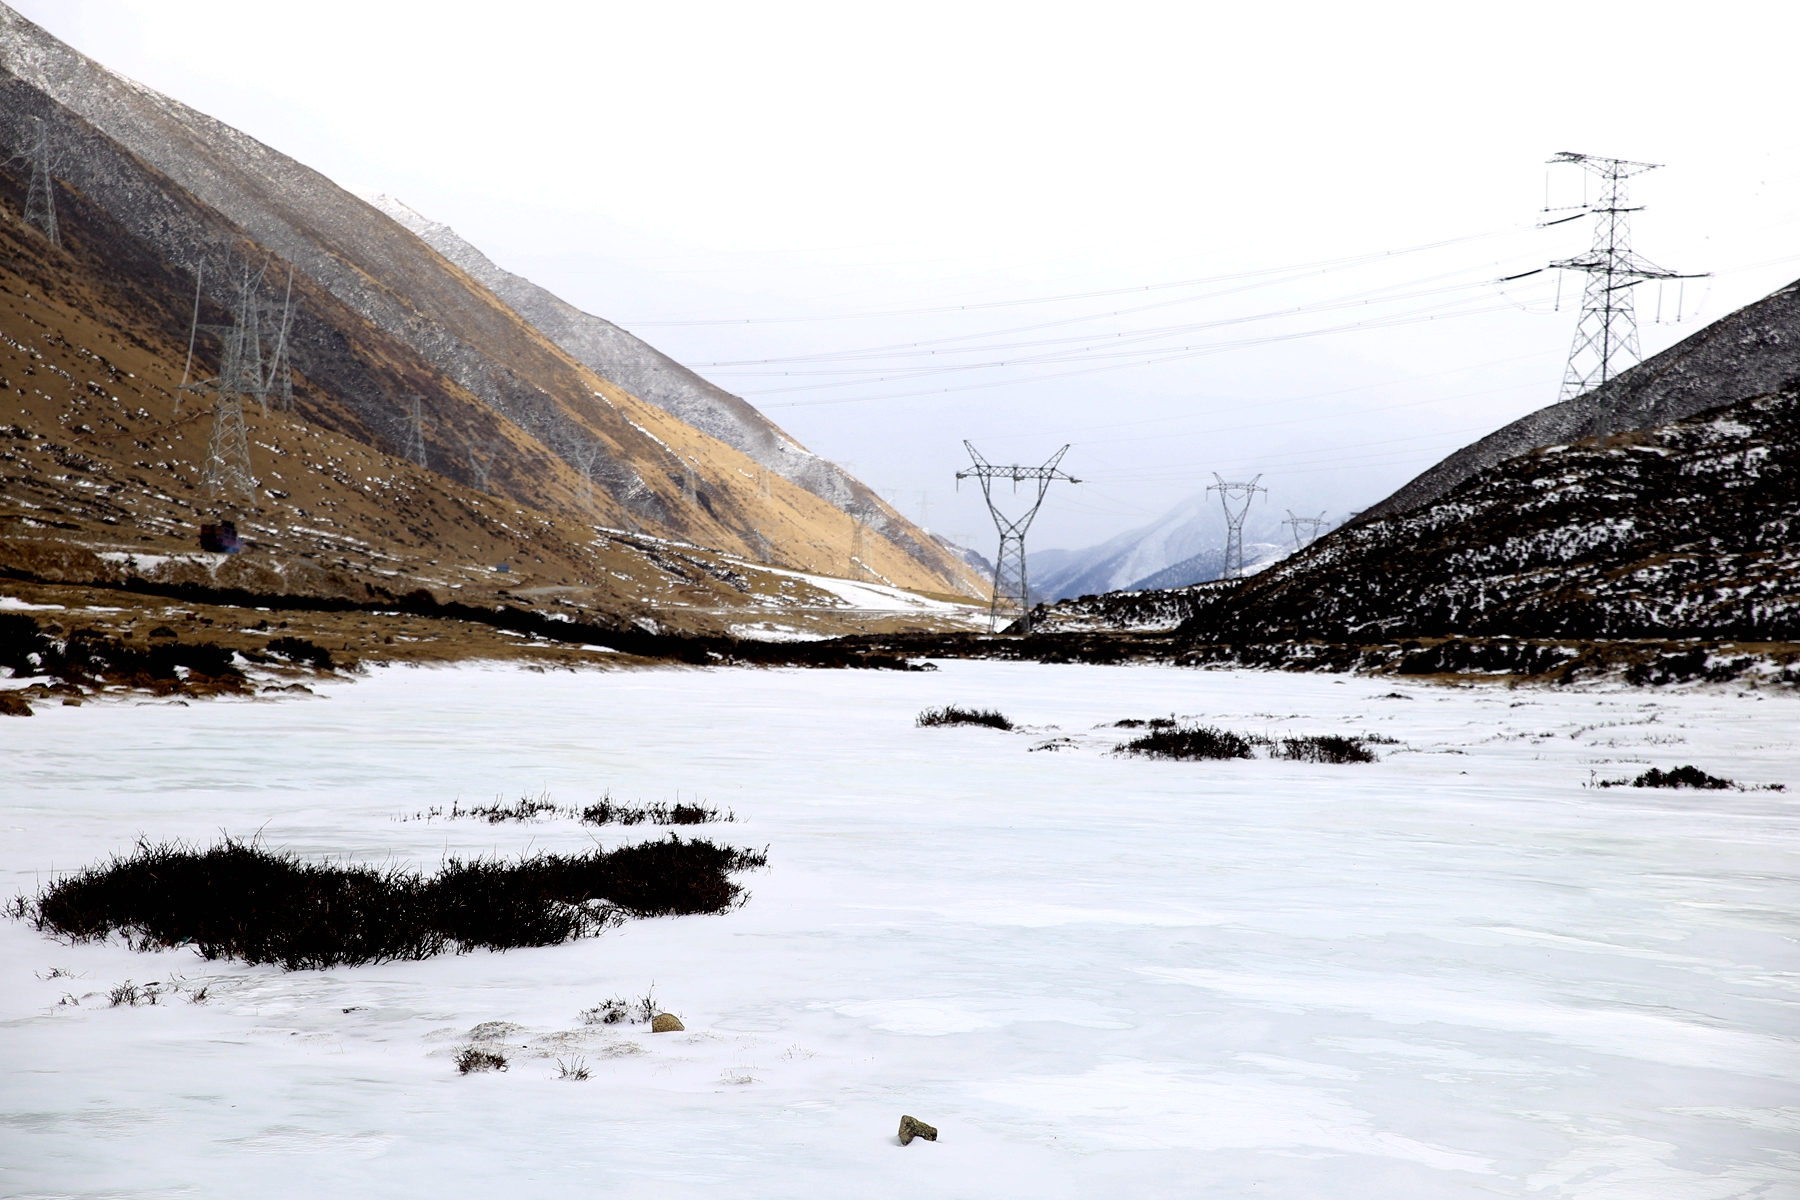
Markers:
<point>1455,972</point>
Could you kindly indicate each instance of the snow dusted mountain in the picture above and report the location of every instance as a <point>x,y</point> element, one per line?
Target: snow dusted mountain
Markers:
<point>1209,564</point>
<point>1185,545</point>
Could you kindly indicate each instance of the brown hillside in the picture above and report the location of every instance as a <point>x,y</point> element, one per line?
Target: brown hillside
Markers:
<point>383,317</point>
<point>100,474</point>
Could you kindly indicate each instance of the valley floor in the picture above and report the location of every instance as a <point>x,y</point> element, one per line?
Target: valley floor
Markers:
<point>1454,972</point>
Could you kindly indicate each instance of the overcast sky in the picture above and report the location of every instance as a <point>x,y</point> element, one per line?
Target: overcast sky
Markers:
<point>1184,238</point>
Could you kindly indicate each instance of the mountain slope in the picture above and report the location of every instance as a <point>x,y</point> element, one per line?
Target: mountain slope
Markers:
<point>1753,350</point>
<point>651,375</point>
<point>1690,529</point>
<point>1589,553</point>
<point>385,320</point>
<point>101,489</point>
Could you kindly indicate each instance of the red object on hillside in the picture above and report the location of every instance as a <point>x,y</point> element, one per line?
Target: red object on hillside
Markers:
<point>220,538</point>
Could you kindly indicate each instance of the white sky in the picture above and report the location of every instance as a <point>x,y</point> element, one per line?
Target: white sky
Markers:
<point>660,163</point>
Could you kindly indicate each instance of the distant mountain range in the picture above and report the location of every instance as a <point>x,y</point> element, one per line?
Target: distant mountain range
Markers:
<point>1183,546</point>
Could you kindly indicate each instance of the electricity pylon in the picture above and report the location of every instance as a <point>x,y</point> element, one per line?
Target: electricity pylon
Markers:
<point>246,368</point>
<point>413,415</point>
<point>586,455</point>
<point>859,544</point>
<point>481,454</point>
<point>1012,589</point>
<point>1606,337</point>
<point>1312,525</point>
<point>40,196</point>
<point>1234,521</point>
<point>760,542</point>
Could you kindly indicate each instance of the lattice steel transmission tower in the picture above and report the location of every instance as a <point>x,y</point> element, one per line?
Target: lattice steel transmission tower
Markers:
<point>1012,588</point>
<point>586,455</point>
<point>859,543</point>
<point>1234,520</point>
<point>1606,336</point>
<point>1312,526</point>
<point>415,420</point>
<point>481,454</point>
<point>246,368</point>
<point>765,552</point>
<point>40,196</point>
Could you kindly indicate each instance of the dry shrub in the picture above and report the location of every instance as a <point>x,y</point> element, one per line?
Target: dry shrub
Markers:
<point>1189,742</point>
<point>472,1060</point>
<point>951,714</point>
<point>1325,748</point>
<point>238,900</point>
<point>1681,777</point>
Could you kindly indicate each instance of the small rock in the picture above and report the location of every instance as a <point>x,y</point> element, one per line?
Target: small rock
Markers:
<point>14,705</point>
<point>162,631</point>
<point>666,1023</point>
<point>912,1127</point>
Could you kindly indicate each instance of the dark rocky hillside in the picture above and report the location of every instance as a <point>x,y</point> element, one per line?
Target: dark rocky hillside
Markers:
<point>1753,350</point>
<point>1687,530</point>
<point>1690,530</point>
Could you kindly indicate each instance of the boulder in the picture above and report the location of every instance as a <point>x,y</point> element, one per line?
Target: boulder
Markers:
<point>912,1127</point>
<point>666,1023</point>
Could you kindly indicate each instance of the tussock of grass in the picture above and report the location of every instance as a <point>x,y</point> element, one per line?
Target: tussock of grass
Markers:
<point>1325,748</point>
<point>1189,742</point>
<point>952,714</point>
<point>620,1011</point>
<point>606,812</point>
<point>238,900</point>
<point>472,1060</point>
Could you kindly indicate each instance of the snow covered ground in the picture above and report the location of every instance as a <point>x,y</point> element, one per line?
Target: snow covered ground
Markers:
<point>1456,972</point>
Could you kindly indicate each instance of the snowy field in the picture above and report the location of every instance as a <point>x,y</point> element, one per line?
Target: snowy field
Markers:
<point>1456,972</point>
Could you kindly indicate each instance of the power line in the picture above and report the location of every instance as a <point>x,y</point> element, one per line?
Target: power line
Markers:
<point>1170,354</point>
<point>1319,265</point>
<point>934,346</point>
